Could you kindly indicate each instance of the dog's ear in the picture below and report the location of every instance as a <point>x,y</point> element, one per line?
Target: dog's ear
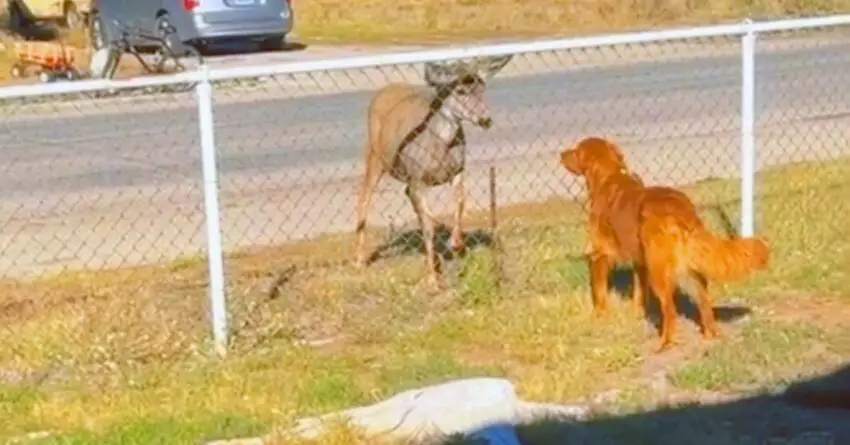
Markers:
<point>618,152</point>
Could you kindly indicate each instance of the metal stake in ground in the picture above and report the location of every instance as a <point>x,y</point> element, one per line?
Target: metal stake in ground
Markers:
<point>494,231</point>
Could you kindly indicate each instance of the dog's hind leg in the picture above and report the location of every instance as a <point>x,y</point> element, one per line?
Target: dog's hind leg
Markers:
<point>661,265</point>
<point>661,282</point>
<point>639,290</point>
<point>708,325</point>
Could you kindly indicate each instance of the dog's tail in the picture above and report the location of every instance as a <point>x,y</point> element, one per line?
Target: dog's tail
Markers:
<point>725,260</point>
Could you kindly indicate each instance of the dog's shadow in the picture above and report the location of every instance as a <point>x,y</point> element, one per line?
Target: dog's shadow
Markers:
<point>621,280</point>
<point>411,242</point>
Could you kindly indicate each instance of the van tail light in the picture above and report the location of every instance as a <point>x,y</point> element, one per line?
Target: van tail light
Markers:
<point>190,4</point>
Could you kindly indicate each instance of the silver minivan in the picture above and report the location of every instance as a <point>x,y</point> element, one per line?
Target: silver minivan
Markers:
<point>196,22</point>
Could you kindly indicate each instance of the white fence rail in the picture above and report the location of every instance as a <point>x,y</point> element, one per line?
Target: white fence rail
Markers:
<point>206,83</point>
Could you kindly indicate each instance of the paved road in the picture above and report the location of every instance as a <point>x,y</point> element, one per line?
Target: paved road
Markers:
<point>125,188</point>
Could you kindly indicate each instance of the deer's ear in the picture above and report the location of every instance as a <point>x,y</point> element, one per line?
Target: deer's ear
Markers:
<point>437,74</point>
<point>490,66</point>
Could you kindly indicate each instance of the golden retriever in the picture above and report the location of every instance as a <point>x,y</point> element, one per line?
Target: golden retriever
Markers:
<point>657,231</point>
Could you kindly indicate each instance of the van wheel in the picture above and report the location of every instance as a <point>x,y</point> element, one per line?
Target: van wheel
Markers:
<point>73,18</point>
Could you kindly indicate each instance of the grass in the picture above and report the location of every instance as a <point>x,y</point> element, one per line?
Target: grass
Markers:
<point>418,21</point>
<point>123,356</point>
<point>383,21</point>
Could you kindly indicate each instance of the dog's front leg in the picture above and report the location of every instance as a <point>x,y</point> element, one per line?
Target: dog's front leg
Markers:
<point>600,266</point>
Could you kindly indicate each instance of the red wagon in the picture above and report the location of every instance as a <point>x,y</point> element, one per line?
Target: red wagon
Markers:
<point>52,60</point>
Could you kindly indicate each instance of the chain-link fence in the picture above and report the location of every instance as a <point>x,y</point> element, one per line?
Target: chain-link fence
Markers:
<point>100,196</point>
<point>100,184</point>
<point>802,145</point>
<point>103,209</point>
<point>293,163</point>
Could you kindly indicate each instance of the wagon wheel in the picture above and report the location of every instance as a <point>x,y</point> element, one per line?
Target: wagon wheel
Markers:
<point>71,74</point>
<point>45,76</point>
<point>17,71</point>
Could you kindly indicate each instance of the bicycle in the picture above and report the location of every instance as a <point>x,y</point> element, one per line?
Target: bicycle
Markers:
<point>105,61</point>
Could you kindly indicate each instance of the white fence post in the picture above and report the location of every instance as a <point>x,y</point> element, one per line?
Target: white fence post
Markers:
<point>748,143</point>
<point>215,261</point>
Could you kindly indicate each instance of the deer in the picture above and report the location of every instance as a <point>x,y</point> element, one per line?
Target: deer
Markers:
<point>416,135</point>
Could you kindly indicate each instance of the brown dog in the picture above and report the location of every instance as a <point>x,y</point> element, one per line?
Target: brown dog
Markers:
<point>658,231</point>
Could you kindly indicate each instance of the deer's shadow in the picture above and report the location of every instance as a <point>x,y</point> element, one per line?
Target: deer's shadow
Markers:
<point>411,242</point>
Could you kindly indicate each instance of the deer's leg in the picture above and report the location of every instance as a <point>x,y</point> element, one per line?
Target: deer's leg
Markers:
<point>456,241</point>
<point>423,214</point>
<point>371,177</point>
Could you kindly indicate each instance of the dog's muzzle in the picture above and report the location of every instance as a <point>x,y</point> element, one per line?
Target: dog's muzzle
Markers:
<point>485,123</point>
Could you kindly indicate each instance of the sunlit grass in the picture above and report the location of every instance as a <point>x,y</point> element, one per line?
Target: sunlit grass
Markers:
<point>124,357</point>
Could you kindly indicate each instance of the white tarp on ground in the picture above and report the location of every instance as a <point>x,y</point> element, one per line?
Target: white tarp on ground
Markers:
<point>481,408</point>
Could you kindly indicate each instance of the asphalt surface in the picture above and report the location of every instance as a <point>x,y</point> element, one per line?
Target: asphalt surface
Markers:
<point>303,132</point>
<point>56,166</point>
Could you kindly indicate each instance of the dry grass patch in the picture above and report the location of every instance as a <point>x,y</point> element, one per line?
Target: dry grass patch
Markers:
<point>123,356</point>
<point>440,20</point>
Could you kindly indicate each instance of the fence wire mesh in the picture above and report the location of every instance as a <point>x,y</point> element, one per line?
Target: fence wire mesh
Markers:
<point>102,212</point>
<point>97,196</point>
<point>802,144</point>
<point>293,157</point>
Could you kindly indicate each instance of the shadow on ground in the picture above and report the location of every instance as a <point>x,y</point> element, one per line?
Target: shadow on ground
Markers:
<point>241,47</point>
<point>812,412</point>
<point>622,279</point>
<point>410,242</point>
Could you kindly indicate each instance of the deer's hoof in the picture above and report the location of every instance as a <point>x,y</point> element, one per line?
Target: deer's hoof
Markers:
<point>360,263</point>
<point>433,283</point>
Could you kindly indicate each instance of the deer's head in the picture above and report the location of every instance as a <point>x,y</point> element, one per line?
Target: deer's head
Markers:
<point>460,87</point>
